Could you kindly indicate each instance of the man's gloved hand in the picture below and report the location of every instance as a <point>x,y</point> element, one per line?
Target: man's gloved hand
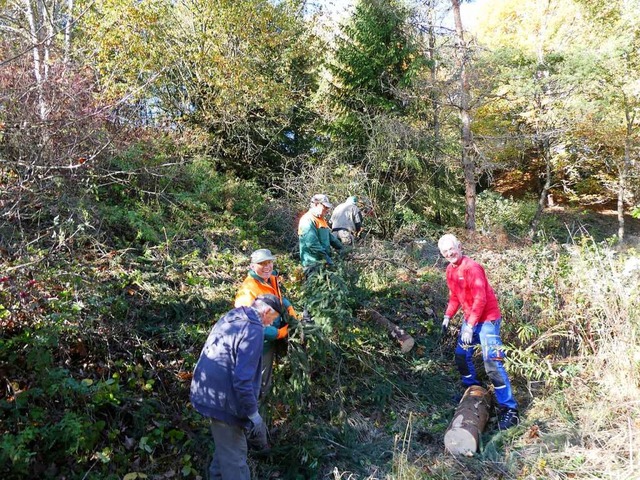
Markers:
<point>258,432</point>
<point>283,332</point>
<point>329,261</point>
<point>466,333</point>
<point>445,325</point>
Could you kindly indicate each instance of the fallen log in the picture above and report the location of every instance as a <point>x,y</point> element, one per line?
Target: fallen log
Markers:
<point>405,340</point>
<point>471,416</point>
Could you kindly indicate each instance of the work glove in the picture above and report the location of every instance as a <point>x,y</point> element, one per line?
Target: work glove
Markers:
<point>283,332</point>
<point>258,432</point>
<point>466,333</point>
<point>329,261</point>
<point>445,325</point>
<point>306,316</point>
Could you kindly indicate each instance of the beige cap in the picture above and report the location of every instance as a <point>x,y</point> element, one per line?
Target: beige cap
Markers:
<point>262,255</point>
<point>321,198</point>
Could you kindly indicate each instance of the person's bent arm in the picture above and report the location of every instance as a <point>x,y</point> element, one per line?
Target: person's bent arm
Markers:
<point>357,220</point>
<point>334,242</point>
<point>454,302</point>
<point>249,356</point>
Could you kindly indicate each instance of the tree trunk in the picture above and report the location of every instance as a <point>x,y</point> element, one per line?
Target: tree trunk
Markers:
<point>626,165</point>
<point>471,416</point>
<point>542,199</point>
<point>405,340</point>
<point>67,31</point>
<point>621,189</point>
<point>433,69</point>
<point>468,162</point>
<point>38,67</point>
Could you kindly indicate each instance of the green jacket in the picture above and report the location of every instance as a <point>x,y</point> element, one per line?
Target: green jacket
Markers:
<point>316,240</point>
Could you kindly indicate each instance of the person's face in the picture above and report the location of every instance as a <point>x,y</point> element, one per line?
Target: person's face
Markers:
<point>269,317</point>
<point>451,252</point>
<point>263,269</point>
<point>319,210</point>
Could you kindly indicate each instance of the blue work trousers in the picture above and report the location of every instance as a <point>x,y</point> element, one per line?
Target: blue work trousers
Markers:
<point>487,335</point>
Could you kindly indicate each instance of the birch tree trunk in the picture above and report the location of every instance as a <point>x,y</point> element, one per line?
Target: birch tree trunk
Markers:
<point>67,31</point>
<point>39,66</point>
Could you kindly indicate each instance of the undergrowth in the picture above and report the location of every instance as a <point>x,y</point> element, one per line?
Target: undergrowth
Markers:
<point>100,333</point>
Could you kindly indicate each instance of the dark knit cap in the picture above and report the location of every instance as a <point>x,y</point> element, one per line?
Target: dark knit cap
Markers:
<point>271,300</point>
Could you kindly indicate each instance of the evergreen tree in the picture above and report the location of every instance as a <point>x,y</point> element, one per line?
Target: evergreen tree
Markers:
<point>373,60</point>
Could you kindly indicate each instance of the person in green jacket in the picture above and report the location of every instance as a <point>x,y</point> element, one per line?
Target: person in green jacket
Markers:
<point>315,237</point>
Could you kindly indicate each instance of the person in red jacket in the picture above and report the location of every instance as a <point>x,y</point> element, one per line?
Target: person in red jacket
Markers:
<point>262,279</point>
<point>470,291</point>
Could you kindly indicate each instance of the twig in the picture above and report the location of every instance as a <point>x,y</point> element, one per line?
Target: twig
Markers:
<point>17,267</point>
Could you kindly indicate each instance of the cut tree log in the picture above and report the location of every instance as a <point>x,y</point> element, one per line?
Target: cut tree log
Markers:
<point>471,416</point>
<point>405,340</point>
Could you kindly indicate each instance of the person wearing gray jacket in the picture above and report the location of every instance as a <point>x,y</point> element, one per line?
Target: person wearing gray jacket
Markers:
<point>346,221</point>
<point>226,385</point>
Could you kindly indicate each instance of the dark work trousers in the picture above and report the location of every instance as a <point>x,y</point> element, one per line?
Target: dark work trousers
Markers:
<point>230,457</point>
<point>267,370</point>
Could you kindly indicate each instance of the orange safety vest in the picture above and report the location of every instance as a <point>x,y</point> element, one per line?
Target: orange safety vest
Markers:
<point>252,287</point>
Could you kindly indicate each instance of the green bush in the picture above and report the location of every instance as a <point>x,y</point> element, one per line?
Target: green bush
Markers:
<point>495,214</point>
<point>152,203</point>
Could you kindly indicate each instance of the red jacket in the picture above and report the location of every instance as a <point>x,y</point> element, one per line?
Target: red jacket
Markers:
<point>470,289</point>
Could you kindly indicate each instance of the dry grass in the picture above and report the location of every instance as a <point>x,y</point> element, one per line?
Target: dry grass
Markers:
<point>586,424</point>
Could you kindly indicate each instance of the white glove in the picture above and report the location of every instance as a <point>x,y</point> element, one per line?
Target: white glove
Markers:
<point>258,433</point>
<point>256,418</point>
<point>466,333</point>
<point>445,325</point>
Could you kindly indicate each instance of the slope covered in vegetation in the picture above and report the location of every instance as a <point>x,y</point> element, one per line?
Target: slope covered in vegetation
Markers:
<point>101,332</point>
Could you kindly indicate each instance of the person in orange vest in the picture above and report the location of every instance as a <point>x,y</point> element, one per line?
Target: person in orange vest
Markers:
<point>315,237</point>
<point>263,279</point>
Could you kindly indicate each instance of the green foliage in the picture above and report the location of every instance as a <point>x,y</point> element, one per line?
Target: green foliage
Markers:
<point>176,199</point>
<point>498,214</point>
<point>373,56</point>
<point>373,59</point>
<point>136,252</point>
<point>237,75</point>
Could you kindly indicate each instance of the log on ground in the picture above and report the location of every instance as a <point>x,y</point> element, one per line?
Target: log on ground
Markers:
<point>471,416</point>
<point>405,340</point>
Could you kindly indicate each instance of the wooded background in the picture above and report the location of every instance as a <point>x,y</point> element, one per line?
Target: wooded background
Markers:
<point>398,104</point>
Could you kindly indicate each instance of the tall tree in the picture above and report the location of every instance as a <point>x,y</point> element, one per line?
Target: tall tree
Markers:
<point>53,131</point>
<point>373,59</point>
<point>612,86</point>
<point>532,46</point>
<point>376,125</point>
<point>238,72</point>
<point>466,138</point>
<point>33,26</point>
